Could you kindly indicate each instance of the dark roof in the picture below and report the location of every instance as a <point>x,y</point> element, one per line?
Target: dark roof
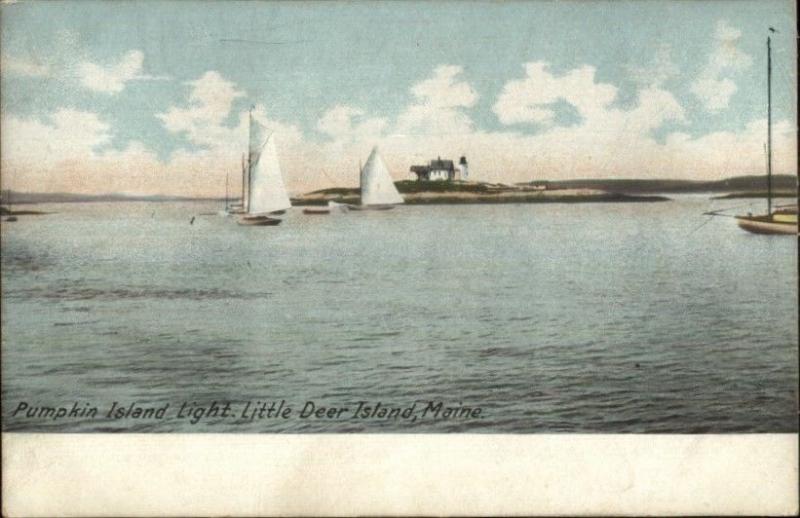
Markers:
<point>437,164</point>
<point>442,164</point>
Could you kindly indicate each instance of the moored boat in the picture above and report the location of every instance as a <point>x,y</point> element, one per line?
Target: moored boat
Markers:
<point>378,191</point>
<point>316,211</point>
<point>331,208</point>
<point>782,221</point>
<point>258,221</point>
<point>11,218</point>
<point>370,207</point>
<point>266,192</point>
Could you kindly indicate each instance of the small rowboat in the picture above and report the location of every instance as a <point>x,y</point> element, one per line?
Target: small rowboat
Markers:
<point>332,207</point>
<point>259,221</point>
<point>370,207</point>
<point>316,211</point>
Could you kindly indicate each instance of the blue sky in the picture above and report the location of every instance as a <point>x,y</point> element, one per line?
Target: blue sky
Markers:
<point>150,96</point>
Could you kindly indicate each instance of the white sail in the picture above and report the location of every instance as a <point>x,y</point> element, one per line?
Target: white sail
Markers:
<point>258,137</point>
<point>267,192</point>
<point>377,186</point>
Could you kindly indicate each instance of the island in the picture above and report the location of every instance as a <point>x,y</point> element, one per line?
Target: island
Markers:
<point>462,192</point>
<point>4,211</point>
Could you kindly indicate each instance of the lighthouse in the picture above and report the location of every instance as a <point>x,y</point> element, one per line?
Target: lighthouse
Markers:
<point>463,168</point>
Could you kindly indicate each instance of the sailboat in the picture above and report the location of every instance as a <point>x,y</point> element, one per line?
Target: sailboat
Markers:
<point>238,207</point>
<point>11,217</point>
<point>330,208</point>
<point>266,192</point>
<point>227,210</point>
<point>378,191</point>
<point>783,220</point>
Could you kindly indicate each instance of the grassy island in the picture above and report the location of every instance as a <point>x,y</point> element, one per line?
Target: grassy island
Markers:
<point>756,194</point>
<point>460,192</point>
<point>4,211</point>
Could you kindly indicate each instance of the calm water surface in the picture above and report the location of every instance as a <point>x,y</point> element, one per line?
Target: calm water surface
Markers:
<point>551,318</point>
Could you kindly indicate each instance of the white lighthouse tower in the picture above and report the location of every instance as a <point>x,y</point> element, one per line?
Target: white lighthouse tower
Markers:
<point>463,168</point>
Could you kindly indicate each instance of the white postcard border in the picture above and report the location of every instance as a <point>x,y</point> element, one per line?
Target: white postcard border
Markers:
<point>398,474</point>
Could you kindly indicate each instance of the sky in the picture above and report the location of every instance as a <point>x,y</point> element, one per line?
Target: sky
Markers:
<point>152,97</point>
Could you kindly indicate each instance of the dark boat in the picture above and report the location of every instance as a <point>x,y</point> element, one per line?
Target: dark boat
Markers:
<point>259,221</point>
<point>370,207</point>
<point>317,211</point>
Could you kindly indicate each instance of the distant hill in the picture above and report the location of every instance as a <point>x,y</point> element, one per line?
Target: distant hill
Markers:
<point>739,184</point>
<point>64,197</point>
<point>734,184</point>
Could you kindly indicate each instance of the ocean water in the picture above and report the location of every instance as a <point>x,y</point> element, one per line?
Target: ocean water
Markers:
<point>607,318</point>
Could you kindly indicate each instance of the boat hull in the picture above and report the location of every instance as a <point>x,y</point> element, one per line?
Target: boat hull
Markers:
<point>370,207</point>
<point>767,225</point>
<point>259,221</point>
<point>321,211</point>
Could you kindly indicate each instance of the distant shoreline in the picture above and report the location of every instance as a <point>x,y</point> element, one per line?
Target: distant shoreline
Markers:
<point>757,194</point>
<point>433,192</point>
<point>8,212</point>
<point>456,198</point>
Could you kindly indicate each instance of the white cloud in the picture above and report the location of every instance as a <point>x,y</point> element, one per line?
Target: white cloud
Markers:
<point>65,133</point>
<point>70,150</point>
<point>64,152</point>
<point>210,101</point>
<point>111,79</point>
<point>714,87</point>
<point>531,99</point>
<point>22,67</point>
<point>204,123</point>
<point>660,69</point>
<point>210,105</point>
<point>439,103</point>
<point>348,124</point>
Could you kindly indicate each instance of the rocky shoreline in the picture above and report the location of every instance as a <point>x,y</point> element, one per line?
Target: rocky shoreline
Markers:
<point>441,193</point>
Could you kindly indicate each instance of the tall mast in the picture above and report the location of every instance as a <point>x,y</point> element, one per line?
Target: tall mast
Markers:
<point>244,180</point>
<point>769,127</point>
<point>227,174</point>
<point>249,157</point>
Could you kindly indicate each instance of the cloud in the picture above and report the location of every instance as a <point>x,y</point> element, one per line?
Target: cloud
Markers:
<point>210,100</point>
<point>531,99</point>
<point>714,87</point>
<point>660,69</point>
<point>348,124</point>
<point>65,133</point>
<point>210,104</point>
<point>204,121</point>
<point>111,79</point>
<point>63,151</point>
<point>438,106</point>
<point>70,150</point>
<point>21,67</point>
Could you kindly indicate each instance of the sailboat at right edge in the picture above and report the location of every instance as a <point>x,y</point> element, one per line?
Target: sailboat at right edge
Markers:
<point>782,220</point>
